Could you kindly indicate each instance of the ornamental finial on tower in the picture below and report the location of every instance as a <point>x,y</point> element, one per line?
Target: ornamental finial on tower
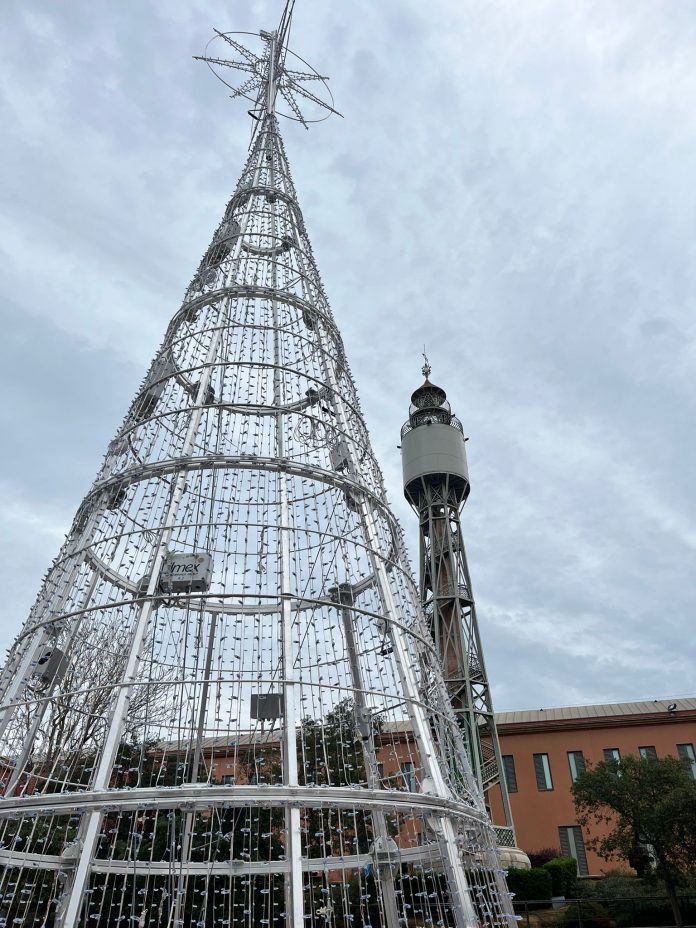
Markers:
<point>269,76</point>
<point>429,402</point>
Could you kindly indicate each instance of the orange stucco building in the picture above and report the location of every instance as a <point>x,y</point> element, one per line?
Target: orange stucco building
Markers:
<point>544,749</point>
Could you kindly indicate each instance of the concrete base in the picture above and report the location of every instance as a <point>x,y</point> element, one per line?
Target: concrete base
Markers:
<point>514,857</point>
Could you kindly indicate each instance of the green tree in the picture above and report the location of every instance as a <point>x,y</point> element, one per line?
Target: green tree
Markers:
<point>637,802</point>
<point>330,754</point>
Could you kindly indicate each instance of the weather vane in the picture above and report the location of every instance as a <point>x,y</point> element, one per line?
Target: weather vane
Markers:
<point>426,366</point>
<point>270,77</point>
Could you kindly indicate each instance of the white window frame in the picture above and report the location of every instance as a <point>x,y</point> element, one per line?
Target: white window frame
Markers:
<point>572,764</point>
<point>510,786</point>
<point>688,756</point>
<point>578,853</point>
<point>546,770</point>
<point>408,773</point>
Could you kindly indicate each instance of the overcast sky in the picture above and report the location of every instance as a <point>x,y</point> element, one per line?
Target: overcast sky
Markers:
<point>512,185</point>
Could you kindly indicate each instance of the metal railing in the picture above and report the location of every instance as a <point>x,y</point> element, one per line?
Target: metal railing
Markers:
<point>628,912</point>
<point>504,836</point>
<point>453,421</point>
<point>489,773</point>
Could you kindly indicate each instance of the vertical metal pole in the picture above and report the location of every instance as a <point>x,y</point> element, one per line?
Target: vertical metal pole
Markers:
<point>271,85</point>
<point>294,904</point>
<point>187,833</point>
<point>448,620</point>
<point>292,815</point>
<point>507,809</point>
<point>379,822</point>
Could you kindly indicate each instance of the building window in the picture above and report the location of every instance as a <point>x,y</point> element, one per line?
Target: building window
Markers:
<point>686,752</point>
<point>408,774</point>
<point>612,754</point>
<point>576,762</point>
<point>509,771</point>
<point>572,845</point>
<point>228,779</point>
<point>542,769</point>
<point>647,752</point>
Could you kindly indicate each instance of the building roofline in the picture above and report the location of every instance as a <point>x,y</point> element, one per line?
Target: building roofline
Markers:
<point>652,712</point>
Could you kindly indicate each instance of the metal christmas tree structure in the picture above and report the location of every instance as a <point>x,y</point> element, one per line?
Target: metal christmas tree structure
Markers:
<point>436,483</point>
<point>225,708</point>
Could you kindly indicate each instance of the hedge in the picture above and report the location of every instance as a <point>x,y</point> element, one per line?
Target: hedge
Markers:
<point>529,884</point>
<point>588,915</point>
<point>564,871</point>
<point>643,912</point>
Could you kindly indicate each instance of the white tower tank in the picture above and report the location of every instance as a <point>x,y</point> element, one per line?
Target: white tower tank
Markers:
<point>436,452</point>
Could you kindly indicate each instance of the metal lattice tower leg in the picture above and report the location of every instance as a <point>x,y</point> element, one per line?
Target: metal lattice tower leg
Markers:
<point>207,716</point>
<point>436,483</point>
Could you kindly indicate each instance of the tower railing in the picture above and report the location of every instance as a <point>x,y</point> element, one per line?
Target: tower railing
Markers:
<point>408,426</point>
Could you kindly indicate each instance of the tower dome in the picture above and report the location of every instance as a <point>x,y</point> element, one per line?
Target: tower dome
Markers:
<point>428,395</point>
<point>429,404</point>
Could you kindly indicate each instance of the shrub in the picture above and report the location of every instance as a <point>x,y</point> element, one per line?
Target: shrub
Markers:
<point>586,915</point>
<point>529,884</point>
<point>615,886</point>
<point>635,913</point>
<point>564,871</point>
<point>543,856</point>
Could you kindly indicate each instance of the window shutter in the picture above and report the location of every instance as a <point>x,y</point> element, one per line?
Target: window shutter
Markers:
<point>686,752</point>
<point>565,844</point>
<point>572,845</point>
<point>510,775</point>
<point>576,762</point>
<point>542,785</point>
<point>580,854</point>
<point>408,773</point>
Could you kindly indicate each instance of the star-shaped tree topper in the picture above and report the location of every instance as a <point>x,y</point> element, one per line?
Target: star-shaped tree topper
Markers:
<point>269,76</point>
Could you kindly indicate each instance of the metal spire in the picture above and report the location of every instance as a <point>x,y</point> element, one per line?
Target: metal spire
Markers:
<point>269,75</point>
